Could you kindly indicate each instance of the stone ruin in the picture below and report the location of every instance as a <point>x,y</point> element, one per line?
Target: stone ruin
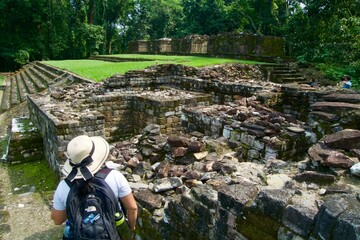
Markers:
<point>220,152</point>
<point>250,46</point>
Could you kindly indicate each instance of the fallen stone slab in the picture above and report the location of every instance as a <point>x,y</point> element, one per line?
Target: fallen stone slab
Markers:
<point>339,97</point>
<point>334,106</point>
<point>347,139</point>
<point>315,177</point>
<point>148,199</point>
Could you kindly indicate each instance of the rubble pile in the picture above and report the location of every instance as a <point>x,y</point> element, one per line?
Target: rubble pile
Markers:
<point>200,182</point>
<point>259,132</point>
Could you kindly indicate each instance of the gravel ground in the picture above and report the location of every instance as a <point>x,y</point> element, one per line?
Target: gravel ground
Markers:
<point>26,215</point>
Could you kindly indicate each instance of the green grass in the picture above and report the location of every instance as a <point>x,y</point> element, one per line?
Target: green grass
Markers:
<point>35,173</point>
<point>1,79</point>
<point>100,70</point>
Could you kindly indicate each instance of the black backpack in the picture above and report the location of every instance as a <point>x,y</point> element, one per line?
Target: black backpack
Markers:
<point>92,215</point>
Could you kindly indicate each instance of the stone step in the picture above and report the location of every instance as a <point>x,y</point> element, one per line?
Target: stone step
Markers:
<point>294,79</point>
<point>45,71</point>
<point>29,84</point>
<point>36,82</point>
<point>343,97</point>
<point>22,89</point>
<point>42,77</point>
<point>284,71</point>
<point>5,102</point>
<point>14,96</point>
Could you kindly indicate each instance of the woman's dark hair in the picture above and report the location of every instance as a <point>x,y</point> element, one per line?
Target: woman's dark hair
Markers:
<point>83,187</point>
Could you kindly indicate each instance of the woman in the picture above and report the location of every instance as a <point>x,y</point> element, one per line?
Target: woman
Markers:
<point>86,156</point>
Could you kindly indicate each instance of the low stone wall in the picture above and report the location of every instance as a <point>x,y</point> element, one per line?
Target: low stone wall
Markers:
<point>190,79</point>
<point>227,45</point>
<point>243,125</point>
<point>56,131</point>
<point>25,142</point>
<point>115,115</point>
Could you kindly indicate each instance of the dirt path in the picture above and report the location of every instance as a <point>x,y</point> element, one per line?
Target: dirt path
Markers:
<point>26,215</point>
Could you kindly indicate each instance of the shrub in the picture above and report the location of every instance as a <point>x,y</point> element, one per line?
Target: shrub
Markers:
<point>21,57</point>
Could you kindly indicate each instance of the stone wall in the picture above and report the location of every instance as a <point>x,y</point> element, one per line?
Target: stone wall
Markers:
<point>72,111</point>
<point>260,133</point>
<point>192,79</point>
<point>25,142</point>
<point>246,45</point>
<point>194,44</point>
<point>227,45</point>
<point>57,132</point>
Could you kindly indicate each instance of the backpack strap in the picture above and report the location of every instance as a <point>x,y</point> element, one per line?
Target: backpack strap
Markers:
<point>102,173</point>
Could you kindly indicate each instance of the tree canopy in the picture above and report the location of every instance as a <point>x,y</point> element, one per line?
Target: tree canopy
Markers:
<point>320,31</point>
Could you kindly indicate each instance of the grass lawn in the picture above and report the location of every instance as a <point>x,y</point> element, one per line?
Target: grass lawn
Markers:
<point>1,78</point>
<point>100,70</point>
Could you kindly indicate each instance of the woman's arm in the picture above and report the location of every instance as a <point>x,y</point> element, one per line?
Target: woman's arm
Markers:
<point>131,209</point>
<point>58,216</point>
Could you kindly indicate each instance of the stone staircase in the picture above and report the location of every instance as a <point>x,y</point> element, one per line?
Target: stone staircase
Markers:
<point>285,73</point>
<point>33,78</point>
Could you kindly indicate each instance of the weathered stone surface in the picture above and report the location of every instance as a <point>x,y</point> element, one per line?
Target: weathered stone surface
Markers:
<point>326,116</point>
<point>347,139</point>
<point>164,184</point>
<point>334,106</point>
<point>178,152</point>
<point>338,160</point>
<point>339,97</point>
<point>175,141</point>
<point>272,202</point>
<point>196,146</point>
<point>316,177</point>
<point>233,198</point>
<point>148,199</point>
<point>355,169</point>
<point>348,225</point>
<point>329,156</point>
<point>326,218</point>
<point>206,195</point>
<point>299,219</point>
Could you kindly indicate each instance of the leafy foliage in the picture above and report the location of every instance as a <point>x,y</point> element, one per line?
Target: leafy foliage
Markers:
<point>21,57</point>
<point>316,31</point>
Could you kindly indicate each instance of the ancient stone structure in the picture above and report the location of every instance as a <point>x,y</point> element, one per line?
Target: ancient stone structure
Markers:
<point>226,45</point>
<point>224,152</point>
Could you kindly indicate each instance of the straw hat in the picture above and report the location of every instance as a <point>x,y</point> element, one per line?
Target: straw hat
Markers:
<point>86,155</point>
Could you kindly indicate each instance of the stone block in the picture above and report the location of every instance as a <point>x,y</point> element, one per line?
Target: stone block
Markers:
<point>233,198</point>
<point>299,219</point>
<point>326,218</point>
<point>272,202</point>
<point>348,225</point>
